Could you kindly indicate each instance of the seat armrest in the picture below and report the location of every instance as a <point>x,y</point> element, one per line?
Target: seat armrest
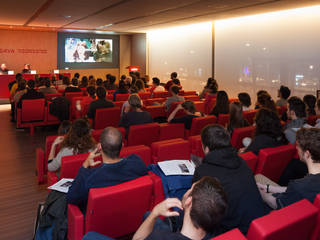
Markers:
<point>158,194</point>
<point>52,178</point>
<point>40,165</point>
<point>75,223</point>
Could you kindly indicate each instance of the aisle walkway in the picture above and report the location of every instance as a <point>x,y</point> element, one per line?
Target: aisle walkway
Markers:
<point>19,192</point>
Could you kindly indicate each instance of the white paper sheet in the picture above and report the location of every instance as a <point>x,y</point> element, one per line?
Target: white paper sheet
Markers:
<point>63,185</point>
<point>177,167</point>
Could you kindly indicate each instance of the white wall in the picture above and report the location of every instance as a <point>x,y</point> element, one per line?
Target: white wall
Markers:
<point>269,50</point>
<point>186,50</point>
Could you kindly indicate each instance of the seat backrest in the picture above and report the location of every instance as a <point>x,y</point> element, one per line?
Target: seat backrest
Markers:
<point>233,234</point>
<point>251,159</point>
<point>316,232</point>
<point>192,98</point>
<point>49,142</point>
<point>143,134</point>
<point>160,94</point>
<point>119,104</point>
<point>223,119</point>
<point>294,222</point>
<point>199,123</point>
<point>50,96</point>
<point>239,134</point>
<point>189,93</point>
<point>106,117</point>
<point>152,101</point>
<point>118,210</point>
<point>196,146</point>
<point>122,96</point>
<point>74,105</point>
<point>311,120</point>
<point>33,110</point>
<point>273,161</point>
<point>171,131</point>
<point>142,151</point>
<point>144,95</point>
<point>156,111</point>
<point>70,95</point>
<point>70,165</point>
<point>250,115</point>
<point>172,150</point>
<point>199,106</point>
<point>173,106</point>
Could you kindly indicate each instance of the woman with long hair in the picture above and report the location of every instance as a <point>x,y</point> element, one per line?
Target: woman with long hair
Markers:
<point>77,140</point>
<point>222,104</point>
<point>236,119</point>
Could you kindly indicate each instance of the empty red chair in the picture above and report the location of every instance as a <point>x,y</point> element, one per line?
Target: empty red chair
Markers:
<point>192,98</point>
<point>122,96</point>
<point>233,234</point>
<point>251,159</point>
<point>174,149</point>
<point>154,101</point>
<point>32,113</point>
<point>250,115</point>
<point>142,151</point>
<point>199,123</point>
<point>171,131</point>
<point>144,134</point>
<point>160,94</point>
<point>144,95</point>
<point>199,106</point>
<point>156,111</point>
<point>316,232</point>
<point>112,211</point>
<point>223,119</point>
<point>119,104</point>
<point>196,146</point>
<point>106,117</point>
<point>294,222</point>
<point>239,134</point>
<point>272,161</point>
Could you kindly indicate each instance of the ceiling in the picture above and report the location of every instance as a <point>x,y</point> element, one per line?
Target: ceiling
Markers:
<point>129,15</point>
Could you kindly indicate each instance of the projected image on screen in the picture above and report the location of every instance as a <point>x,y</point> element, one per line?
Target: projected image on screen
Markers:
<point>90,50</point>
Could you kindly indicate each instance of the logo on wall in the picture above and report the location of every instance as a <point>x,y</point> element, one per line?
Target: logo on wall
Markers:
<point>23,51</point>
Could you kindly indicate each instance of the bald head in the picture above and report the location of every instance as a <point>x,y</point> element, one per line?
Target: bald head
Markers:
<point>111,142</point>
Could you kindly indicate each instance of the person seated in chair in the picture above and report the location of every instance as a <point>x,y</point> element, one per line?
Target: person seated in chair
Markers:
<point>191,113</point>
<point>30,94</point>
<point>174,90</point>
<point>101,102</point>
<point>74,87</point>
<point>113,170</point>
<point>308,146</point>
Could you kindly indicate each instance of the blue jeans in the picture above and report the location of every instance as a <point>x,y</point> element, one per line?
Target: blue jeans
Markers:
<point>95,236</point>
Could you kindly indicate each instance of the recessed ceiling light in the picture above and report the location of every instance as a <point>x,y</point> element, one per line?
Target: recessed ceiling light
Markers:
<point>68,16</point>
<point>104,26</point>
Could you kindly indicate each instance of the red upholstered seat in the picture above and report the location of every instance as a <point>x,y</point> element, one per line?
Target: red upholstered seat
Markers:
<point>119,104</point>
<point>223,119</point>
<point>145,95</point>
<point>70,95</point>
<point>142,151</point>
<point>173,149</point>
<point>199,123</point>
<point>316,232</point>
<point>144,134</point>
<point>189,93</point>
<point>112,211</point>
<point>50,96</point>
<point>171,131</point>
<point>273,161</point>
<point>251,159</point>
<point>74,113</point>
<point>156,111</point>
<point>250,115</point>
<point>239,134</point>
<point>196,146</point>
<point>233,234</point>
<point>294,222</point>
<point>106,117</point>
<point>122,97</point>
<point>153,101</point>
<point>192,98</point>
<point>173,106</point>
<point>160,94</point>
<point>199,106</point>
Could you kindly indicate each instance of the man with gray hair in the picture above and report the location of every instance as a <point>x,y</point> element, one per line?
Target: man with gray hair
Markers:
<point>113,170</point>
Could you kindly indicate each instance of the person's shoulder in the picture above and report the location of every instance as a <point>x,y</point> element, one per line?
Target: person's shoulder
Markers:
<point>158,234</point>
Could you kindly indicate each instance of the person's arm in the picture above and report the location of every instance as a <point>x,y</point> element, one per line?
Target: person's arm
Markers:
<point>267,192</point>
<point>162,209</point>
<point>290,135</point>
<point>174,112</point>
<point>54,162</point>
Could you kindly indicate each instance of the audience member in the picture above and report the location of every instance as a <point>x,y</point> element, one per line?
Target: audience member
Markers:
<point>204,205</point>
<point>296,113</point>
<point>146,81</point>
<point>47,87</point>
<point>26,69</point>
<point>122,89</point>
<point>74,87</point>
<point>30,94</point>
<point>76,75</point>
<point>156,87</point>
<point>265,101</point>
<point>268,132</point>
<point>222,104</point>
<point>111,83</point>
<point>64,127</point>
<point>222,161</point>
<point>258,94</point>
<point>99,82</point>
<point>310,102</point>
<point>65,83</point>
<point>206,88</point>
<point>77,140</point>
<point>113,170</point>
<point>308,146</point>
<point>245,101</point>
<point>140,86</point>
<point>211,96</point>
<point>283,95</point>
<point>173,75</point>
<point>14,83</point>
<point>84,82</point>
<point>190,111</point>
<point>236,119</point>
<point>20,90</point>
<point>92,81</point>
<point>133,114</point>
<point>174,90</point>
<point>3,69</point>
<point>101,102</point>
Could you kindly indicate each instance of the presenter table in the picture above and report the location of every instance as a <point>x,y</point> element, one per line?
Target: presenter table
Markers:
<point>6,79</point>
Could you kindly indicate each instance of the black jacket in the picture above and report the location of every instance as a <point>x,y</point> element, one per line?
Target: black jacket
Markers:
<point>264,141</point>
<point>97,104</point>
<point>30,94</point>
<point>244,201</point>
